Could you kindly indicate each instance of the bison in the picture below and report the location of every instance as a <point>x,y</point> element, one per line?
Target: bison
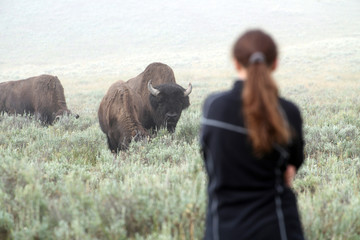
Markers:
<point>42,96</point>
<point>147,102</point>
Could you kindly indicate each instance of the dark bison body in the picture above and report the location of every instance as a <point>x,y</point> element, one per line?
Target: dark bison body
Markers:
<point>42,96</point>
<point>149,101</point>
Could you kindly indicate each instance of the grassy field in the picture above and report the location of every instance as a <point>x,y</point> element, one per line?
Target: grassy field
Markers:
<point>61,181</point>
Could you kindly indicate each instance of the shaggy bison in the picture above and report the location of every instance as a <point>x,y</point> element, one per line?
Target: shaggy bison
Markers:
<point>149,101</point>
<point>42,96</point>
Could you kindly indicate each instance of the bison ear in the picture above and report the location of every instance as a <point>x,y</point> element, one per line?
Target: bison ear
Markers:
<point>188,90</point>
<point>152,90</point>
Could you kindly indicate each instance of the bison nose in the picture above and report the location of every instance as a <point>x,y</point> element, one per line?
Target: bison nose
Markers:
<point>170,115</point>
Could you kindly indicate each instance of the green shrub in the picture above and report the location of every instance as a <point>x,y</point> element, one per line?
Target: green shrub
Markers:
<point>62,182</point>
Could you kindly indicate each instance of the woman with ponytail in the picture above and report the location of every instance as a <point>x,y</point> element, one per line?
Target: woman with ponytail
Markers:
<point>252,143</point>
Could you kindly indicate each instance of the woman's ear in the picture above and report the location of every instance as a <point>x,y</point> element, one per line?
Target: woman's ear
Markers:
<point>273,66</point>
<point>238,66</point>
<point>241,70</point>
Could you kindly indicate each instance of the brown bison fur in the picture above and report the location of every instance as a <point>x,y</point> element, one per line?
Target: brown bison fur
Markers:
<point>149,101</point>
<point>119,115</point>
<point>42,96</point>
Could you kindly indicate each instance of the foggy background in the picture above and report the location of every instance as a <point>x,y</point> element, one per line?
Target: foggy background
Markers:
<point>76,38</point>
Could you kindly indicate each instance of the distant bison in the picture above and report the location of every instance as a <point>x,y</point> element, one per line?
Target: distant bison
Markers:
<point>42,96</point>
<point>149,101</point>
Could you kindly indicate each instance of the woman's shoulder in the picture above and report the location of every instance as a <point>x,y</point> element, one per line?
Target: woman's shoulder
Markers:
<point>223,98</point>
<point>217,98</point>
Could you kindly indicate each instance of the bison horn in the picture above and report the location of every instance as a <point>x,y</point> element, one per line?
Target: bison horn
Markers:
<point>57,118</point>
<point>188,90</point>
<point>152,90</point>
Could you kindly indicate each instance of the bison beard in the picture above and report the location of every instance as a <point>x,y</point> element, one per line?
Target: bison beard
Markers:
<point>42,96</point>
<point>129,109</point>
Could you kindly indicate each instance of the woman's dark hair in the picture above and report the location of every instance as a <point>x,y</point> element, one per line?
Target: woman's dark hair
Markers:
<point>257,52</point>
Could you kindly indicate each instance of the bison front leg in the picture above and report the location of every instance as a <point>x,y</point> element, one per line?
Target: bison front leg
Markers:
<point>139,134</point>
<point>120,140</point>
<point>42,117</point>
<point>117,141</point>
<point>111,144</point>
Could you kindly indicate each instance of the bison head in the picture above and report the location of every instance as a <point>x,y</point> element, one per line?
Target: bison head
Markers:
<point>167,102</point>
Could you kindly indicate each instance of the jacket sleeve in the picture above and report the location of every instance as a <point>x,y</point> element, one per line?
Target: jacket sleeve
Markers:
<point>297,146</point>
<point>204,129</point>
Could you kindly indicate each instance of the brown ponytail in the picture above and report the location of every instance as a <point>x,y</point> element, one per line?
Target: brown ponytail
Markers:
<point>260,107</point>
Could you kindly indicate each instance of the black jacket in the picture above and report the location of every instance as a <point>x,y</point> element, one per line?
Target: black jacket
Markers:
<point>247,198</point>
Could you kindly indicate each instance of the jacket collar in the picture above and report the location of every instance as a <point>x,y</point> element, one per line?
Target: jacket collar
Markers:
<point>237,88</point>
